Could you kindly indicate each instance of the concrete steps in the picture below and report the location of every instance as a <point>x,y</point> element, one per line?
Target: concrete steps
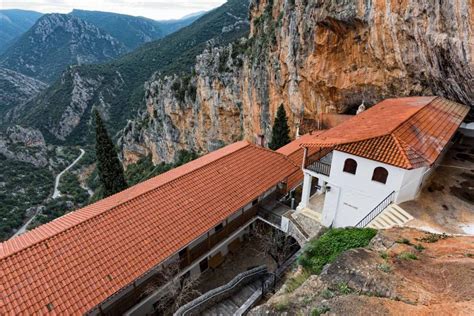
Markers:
<point>231,305</point>
<point>392,216</point>
<point>311,214</point>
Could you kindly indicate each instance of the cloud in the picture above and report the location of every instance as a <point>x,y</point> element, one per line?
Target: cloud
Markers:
<point>155,9</point>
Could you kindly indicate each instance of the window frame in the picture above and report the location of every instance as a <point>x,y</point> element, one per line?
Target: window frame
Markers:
<point>379,178</point>
<point>349,170</point>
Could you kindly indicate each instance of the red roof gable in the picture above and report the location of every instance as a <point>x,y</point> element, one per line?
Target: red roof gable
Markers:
<point>405,132</point>
<point>82,258</point>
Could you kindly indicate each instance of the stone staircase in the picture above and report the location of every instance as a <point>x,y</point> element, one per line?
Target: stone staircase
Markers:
<point>392,216</point>
<point>231,305</point>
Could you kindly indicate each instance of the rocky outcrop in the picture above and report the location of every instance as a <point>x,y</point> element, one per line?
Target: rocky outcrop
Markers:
<point>56,41</point>
<point>427,274</point>
<point>25,145</point>
<point>313,57</point>
<point>17,89</point>
<point>201,112</point>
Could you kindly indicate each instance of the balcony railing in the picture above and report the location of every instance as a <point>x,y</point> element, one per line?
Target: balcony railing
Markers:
<point>314,163</point>
<point>320,167</point>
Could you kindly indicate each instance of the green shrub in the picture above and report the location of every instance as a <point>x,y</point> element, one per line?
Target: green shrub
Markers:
<point>283,305</point>
<point>320,310</point>
<point>407,256</point>
<point>419,247</point>
<point>343,288</point>
<point>431,237</point>
<point>404,241</point>
<point>295,282</point>
<point>328,247</point>
<point>327,294</point>
<point>385,267</point>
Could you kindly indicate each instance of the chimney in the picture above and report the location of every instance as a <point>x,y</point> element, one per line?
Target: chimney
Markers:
<point>260,140</point>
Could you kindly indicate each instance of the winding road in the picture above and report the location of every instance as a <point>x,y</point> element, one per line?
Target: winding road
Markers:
<point>56,193</point>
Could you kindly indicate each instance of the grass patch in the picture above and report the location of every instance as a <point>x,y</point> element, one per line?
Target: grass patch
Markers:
<point>330,245</point>
<point>295,282</point>
<point>407,256</point>
<point>283,305</point>
<point>384,255</point>
<point>404,241</point>
<point>344,289</point>
<point>419,247</point>
<point>432,238</point>
<point>384,267</point>
<point>327,294</point>
<point>320,310</point>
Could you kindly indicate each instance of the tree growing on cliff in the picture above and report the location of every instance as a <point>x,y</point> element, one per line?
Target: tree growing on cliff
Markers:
<point>280,130</point>
<point>110,169</point>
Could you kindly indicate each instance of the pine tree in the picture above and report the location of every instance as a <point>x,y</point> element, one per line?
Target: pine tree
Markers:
<point>280,130</point>
<point>110,169</point>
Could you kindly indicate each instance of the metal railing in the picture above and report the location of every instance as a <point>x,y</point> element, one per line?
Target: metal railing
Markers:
<point>218,294</point>
<point>376,211</point>
<point>320,167</point>
<point>269,216</point>
<point>313,162</point>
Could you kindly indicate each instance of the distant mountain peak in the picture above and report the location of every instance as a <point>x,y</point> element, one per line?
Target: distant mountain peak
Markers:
<point>56,41</point>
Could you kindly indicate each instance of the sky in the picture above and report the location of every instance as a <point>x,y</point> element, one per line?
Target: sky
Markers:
<point>154,9</point>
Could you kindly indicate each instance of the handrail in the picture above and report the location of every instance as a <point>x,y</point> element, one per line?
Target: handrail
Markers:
<point>198,303</point>
<point>320,167</point>
<point>376,211</point>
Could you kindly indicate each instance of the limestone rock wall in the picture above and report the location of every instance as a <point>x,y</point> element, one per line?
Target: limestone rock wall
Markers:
<point>313,57</point>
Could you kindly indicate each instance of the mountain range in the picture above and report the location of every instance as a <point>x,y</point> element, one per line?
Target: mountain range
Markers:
<point>56,41</point>
<point>62,112</point>
<point>13,23</point>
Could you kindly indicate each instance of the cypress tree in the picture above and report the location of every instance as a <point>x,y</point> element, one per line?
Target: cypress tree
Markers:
<point>280,130</point>
<point>110,169</point>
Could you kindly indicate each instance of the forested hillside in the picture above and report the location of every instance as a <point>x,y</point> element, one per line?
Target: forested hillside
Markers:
<point>62,112</point>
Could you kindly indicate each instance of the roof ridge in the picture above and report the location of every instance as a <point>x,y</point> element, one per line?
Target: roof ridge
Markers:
<point>414,113</point>
<point>404,143</point>
<point>275,152</point>
<point>3,249</point>
<point>382,135</point>
<point>401,149</point>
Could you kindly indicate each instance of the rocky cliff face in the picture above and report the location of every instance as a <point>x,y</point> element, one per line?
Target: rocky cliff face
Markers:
<point>56,41</point>
<point>313,57</point>
<point>17,89</point>
<point>24,145</point>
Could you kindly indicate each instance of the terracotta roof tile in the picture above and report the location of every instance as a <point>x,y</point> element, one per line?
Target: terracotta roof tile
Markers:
<point>67,262</point>
<point>405,132</point>
<point>294,152</point>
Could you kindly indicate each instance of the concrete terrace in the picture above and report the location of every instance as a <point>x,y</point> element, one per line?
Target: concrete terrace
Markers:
<point>446,203</point>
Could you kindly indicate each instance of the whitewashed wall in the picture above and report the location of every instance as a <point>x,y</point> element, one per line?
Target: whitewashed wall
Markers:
<point>356,195</point>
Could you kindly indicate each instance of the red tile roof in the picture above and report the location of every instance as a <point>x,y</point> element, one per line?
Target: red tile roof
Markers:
<point>405,132</point>
<point>82,258</point>
<point>294,151</point>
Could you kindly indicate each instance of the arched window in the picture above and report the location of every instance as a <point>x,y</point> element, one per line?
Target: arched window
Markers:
<point>380,175</point>
<point>350,166</point>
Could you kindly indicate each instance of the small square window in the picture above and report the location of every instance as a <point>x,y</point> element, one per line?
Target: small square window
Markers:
<point>219,227</point>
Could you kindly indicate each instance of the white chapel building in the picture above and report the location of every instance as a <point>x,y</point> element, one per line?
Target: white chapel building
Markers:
<point>375,160</point>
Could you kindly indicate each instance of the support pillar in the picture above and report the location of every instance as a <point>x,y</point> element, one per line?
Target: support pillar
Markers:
<point>306,191</point>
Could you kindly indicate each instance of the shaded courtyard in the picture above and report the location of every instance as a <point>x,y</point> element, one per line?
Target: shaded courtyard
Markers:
<point>446,202</point>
